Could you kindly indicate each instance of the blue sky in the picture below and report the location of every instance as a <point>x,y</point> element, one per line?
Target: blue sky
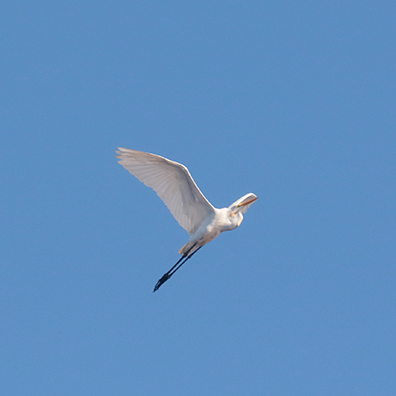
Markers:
<point>294,101</point>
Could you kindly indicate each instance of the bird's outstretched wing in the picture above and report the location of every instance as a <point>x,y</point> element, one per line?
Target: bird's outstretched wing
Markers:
<point>173,184</point>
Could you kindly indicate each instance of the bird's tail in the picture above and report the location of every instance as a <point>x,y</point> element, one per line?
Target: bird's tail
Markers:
<point>188,248</point>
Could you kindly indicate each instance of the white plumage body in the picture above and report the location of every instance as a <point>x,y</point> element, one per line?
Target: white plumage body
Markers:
<point>175,186</point>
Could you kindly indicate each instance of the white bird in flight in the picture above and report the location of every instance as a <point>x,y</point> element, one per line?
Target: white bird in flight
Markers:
<point>175,186</point>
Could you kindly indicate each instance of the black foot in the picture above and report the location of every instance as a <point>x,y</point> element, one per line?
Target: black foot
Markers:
<point>161,281</point>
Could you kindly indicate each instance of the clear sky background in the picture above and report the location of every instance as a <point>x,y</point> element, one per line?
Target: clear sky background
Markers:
<point>292,100</point>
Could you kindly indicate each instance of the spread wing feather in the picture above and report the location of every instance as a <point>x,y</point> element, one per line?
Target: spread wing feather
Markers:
<point>172,182</point>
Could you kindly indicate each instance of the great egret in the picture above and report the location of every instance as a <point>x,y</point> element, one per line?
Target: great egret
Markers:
<point>175,186</point>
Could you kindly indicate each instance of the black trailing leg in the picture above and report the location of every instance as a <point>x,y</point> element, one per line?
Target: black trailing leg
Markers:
<point>168,274</point>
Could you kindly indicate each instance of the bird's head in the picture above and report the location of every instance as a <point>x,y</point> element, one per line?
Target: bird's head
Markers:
<point>242,205</point>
